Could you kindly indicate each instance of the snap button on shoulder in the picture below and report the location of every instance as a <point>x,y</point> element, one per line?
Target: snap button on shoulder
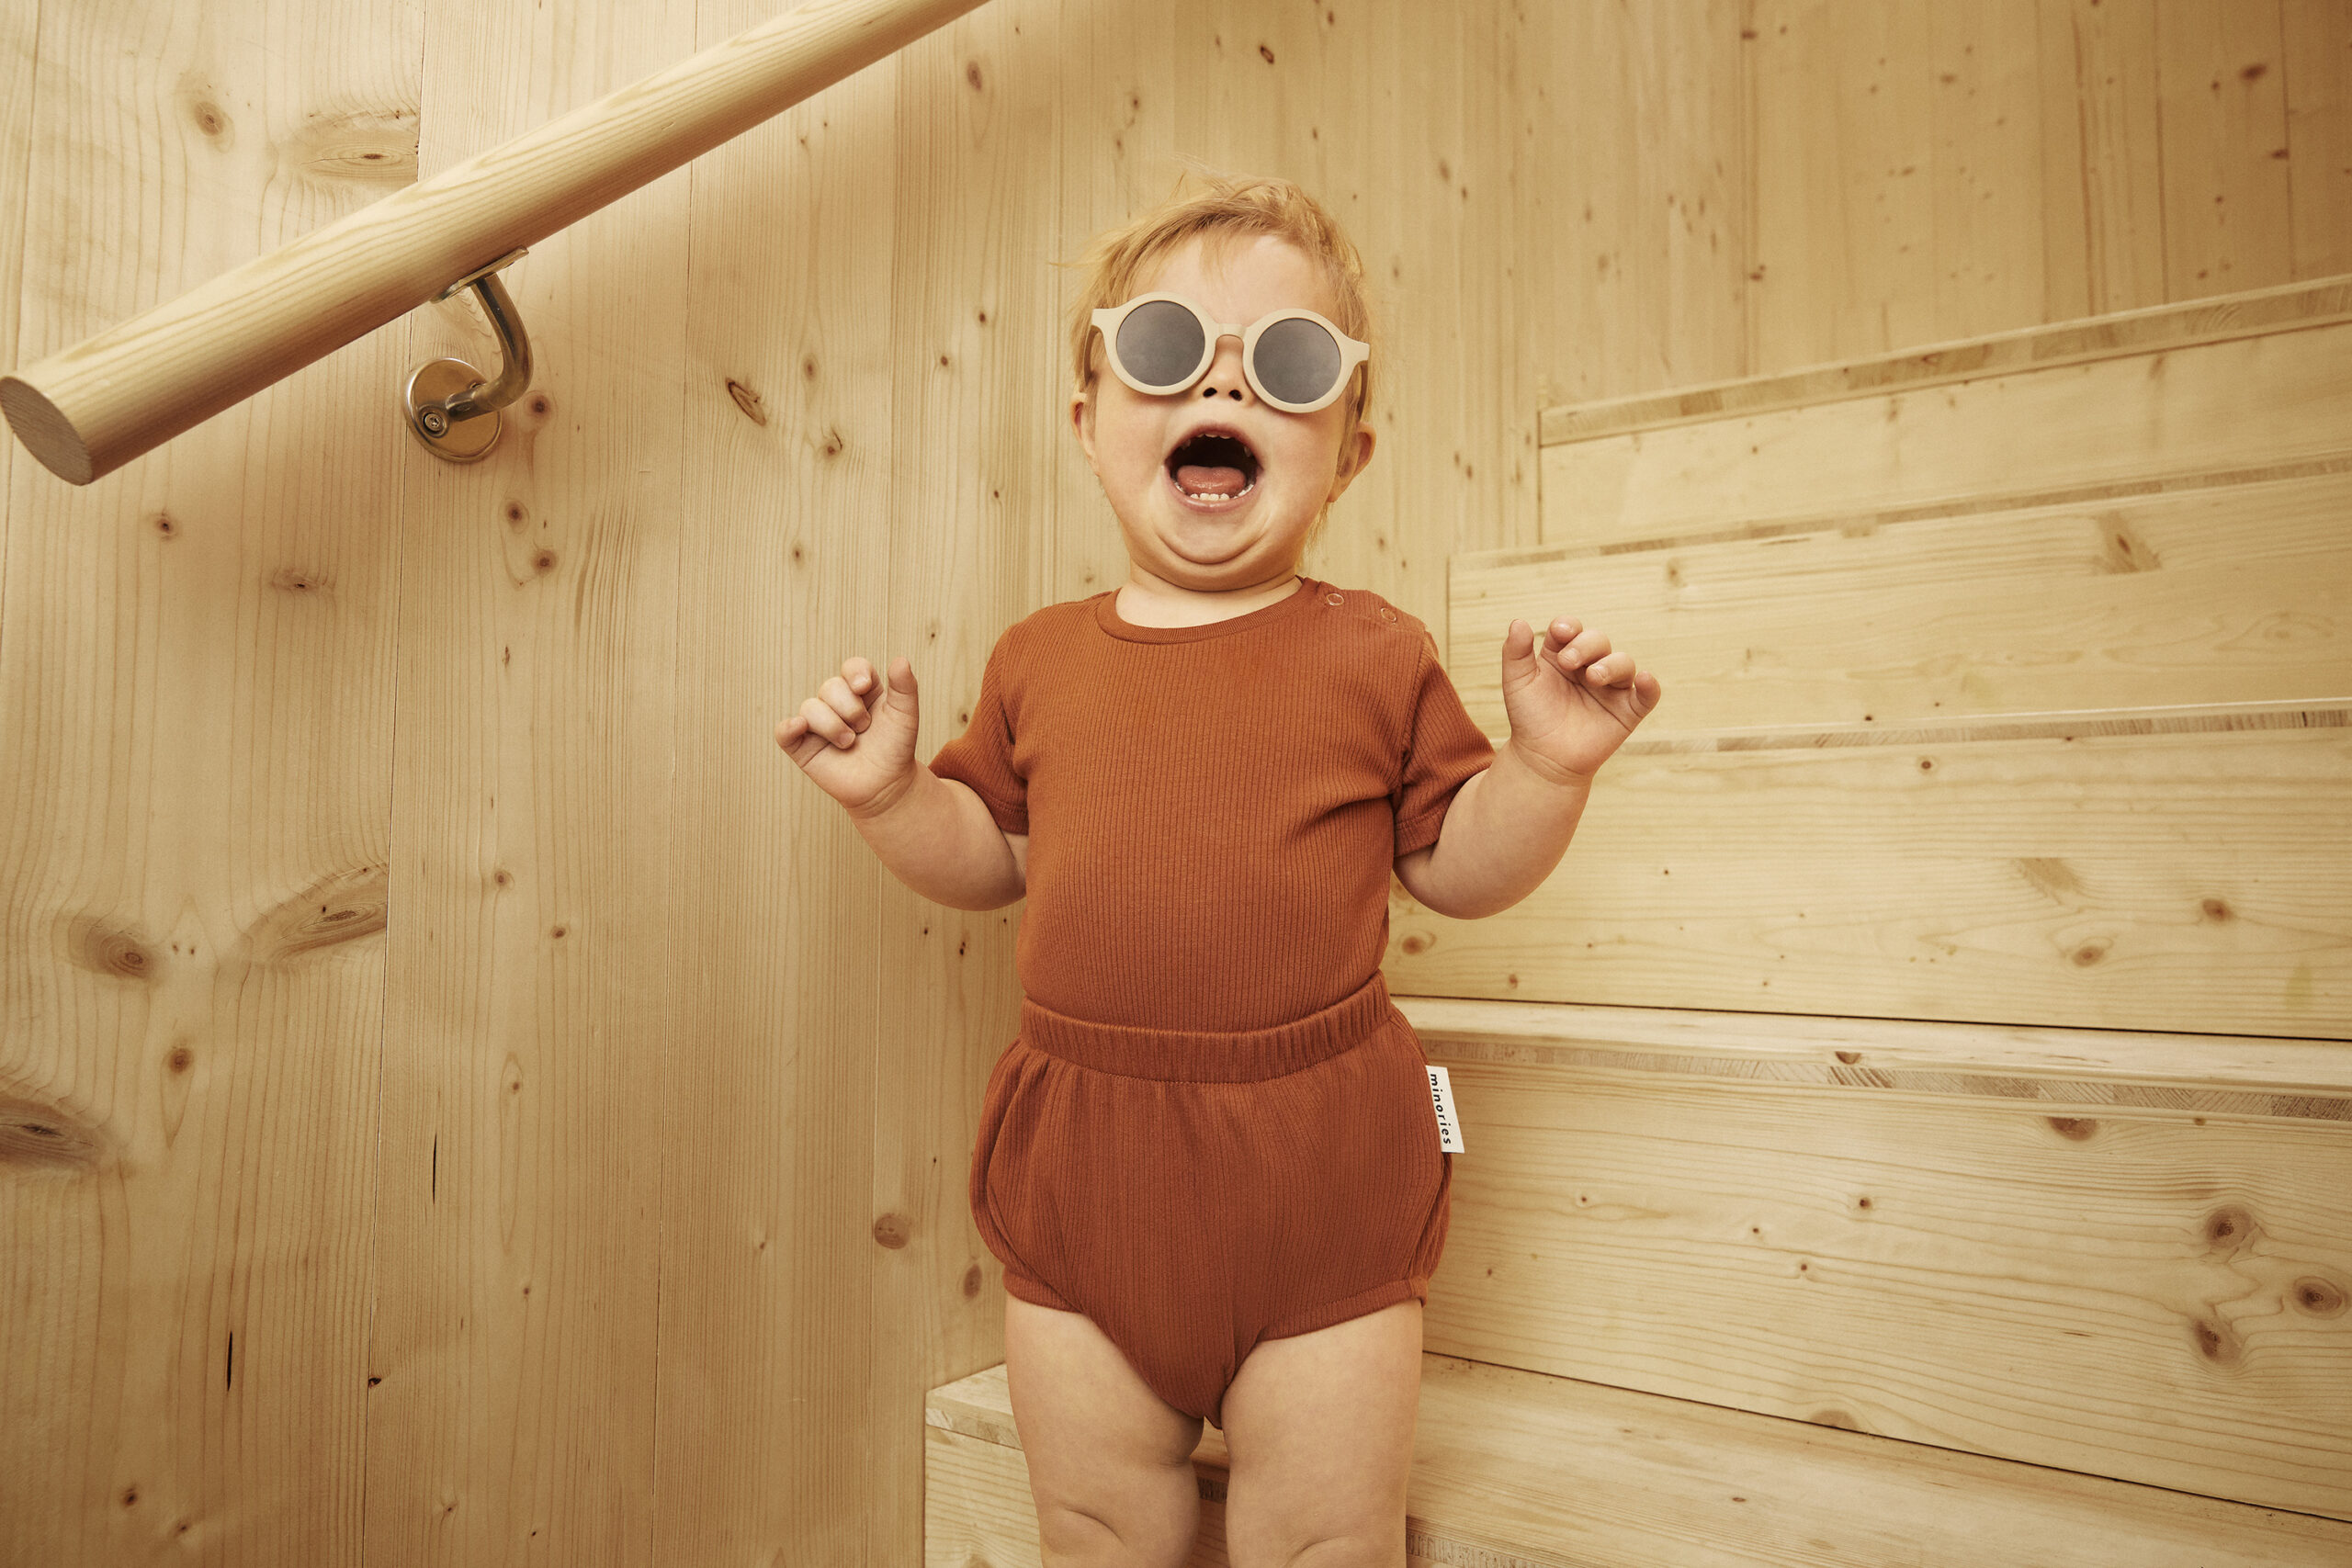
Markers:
<point>1331,599</point>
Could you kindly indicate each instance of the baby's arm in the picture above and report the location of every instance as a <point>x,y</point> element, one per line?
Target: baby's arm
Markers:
<point>937,837</point>
<point>1509,825</point>
<point>935,834</point>
<point>1506,830</point>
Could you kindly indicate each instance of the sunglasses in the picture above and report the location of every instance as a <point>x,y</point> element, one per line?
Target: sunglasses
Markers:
<point>1161,343</point>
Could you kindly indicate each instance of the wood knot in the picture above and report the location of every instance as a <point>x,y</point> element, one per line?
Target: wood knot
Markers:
<point>104,949</point>
<point>181,1059</point>
<point>35,1136</point>
<point>1849,1057</point>
<point>2089,954</point>
<point>2320,1298</point>
<point>749,402</point>
<point>2231,1228</point>
<point>972,74</point>
<point>2078,1129</point>
<point>543,562</point>
<point>1265,54</point>
<point>973,1280</point>
<point>1416,942</point>
<point>891,1230</point>
<point>1835,1418</point>
<point>2216,1343</point>
<point>341,906</point>
<point>2214,909</point>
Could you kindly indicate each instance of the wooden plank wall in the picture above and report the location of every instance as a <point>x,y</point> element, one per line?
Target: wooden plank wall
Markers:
<point>197,720</point>
<point>605,1198</point>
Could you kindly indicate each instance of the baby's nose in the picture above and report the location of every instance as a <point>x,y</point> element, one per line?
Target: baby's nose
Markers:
<point>1224,378</point>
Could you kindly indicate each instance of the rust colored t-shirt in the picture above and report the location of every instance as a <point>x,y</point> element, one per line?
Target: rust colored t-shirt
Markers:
<point>1213,810</point>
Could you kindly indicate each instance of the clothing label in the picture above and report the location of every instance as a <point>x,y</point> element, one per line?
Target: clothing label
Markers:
<point>1449,1127</point>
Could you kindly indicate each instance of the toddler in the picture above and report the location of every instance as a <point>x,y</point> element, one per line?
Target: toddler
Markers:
<point>1209,1162</point>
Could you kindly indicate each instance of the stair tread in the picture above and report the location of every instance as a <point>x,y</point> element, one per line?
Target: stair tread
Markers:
<point>2250,1063</point>
<point>1515,1468</point>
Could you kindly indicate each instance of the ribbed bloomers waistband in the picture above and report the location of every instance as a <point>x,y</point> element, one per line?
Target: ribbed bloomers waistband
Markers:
<point>1185,1055</point>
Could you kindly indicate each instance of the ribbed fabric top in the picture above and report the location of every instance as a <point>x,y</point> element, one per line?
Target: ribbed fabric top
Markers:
<point>1213,810</point>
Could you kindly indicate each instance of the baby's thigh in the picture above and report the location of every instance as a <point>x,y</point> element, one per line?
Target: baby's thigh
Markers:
<point>1320,1428</point>
<point>1110,1461</point>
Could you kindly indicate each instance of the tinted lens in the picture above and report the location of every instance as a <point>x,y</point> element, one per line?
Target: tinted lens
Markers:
<point>1159,343</point>
<point>1298,361</point>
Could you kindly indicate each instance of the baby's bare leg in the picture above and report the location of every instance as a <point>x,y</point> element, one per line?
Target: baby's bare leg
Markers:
<point>1320,1428</point>
<point>1110,1461</point>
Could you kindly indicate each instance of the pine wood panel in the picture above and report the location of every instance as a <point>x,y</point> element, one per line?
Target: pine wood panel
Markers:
<point>2155,329</point>
<point>2107,427</point>
<point>1923,173</point>
<point>2221,123</point>
<point>2233,594</point>
<point>197,720</point>
<point>2315,39</point>
<point>2156,1296</point>
<point>2189,881</point>
<point>518,1229</point>
<point>2251,1075</point>
<point>2102,213</point>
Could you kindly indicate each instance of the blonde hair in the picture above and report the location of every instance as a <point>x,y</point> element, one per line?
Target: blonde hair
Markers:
<point>1225,206</point>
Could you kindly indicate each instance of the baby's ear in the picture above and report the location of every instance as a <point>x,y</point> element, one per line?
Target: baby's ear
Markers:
<point>1356,451</point>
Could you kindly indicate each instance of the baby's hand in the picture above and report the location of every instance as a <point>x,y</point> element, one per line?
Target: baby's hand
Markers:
<point>856,737</point>
<point>1567,724</point>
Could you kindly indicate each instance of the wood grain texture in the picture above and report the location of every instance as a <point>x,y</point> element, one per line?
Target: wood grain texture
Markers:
<point>2316,47</point>
<point>197,722</point>
<point>2250,1075</point>
<point>2039,347</point>
<point>2102,169</point>
<point>2221,123</point>
<point>2150,1295</point>
<point>2185,882</point>
<point>2237,409</point>
<point>2220,595</point>
<point>518,1231</point>
<point>1926,173</point>
<point>1515,1469</point>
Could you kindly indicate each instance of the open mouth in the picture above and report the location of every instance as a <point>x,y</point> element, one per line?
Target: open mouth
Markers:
<point>1213,466</point>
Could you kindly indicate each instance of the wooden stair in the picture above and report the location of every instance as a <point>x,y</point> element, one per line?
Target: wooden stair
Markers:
<point>1518,1470</point>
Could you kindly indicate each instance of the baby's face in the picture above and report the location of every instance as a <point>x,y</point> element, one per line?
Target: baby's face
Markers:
<point>1215,488</point>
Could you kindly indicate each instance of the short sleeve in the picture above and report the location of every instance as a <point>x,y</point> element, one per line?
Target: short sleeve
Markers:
<point>981,757</point>
<point>1443,750</point>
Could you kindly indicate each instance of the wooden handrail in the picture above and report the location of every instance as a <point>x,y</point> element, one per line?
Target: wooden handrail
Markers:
<point>93,408</point>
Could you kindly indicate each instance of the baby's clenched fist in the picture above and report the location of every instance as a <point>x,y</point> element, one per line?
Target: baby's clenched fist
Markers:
<point>856,736</point>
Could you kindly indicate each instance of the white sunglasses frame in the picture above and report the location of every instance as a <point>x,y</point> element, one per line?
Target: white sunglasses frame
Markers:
<point>1352,352</point>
